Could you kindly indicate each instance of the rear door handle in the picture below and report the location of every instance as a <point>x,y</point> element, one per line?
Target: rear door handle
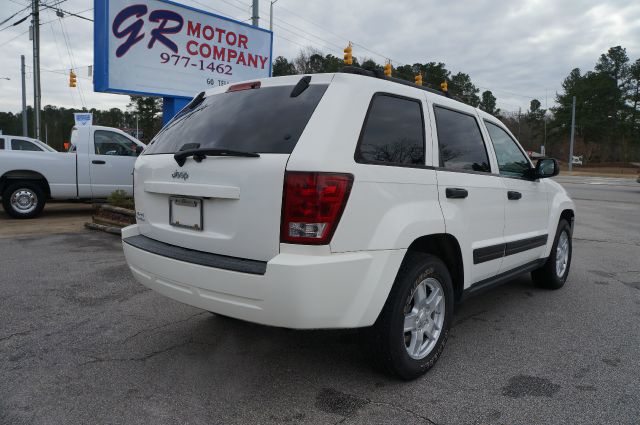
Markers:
<point>513,195</point>
<point>98,161</point>
<point>456,193</point>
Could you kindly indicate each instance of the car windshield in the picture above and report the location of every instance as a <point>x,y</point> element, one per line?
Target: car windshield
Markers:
<point>264,120</point>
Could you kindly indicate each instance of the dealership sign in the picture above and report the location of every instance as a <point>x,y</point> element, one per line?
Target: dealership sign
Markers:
<point>161,48</point>
<point>83,119</point>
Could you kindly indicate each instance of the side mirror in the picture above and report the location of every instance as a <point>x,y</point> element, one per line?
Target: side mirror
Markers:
<point>139,150</point>
<point>547,167</point>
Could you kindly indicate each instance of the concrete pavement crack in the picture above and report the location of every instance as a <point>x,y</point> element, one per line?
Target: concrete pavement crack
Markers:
<point>605,241</point>
<point>4,338</point>
<point>161,326</point>
<point>469,317</point>
<point>96,359</point>
<point>604,200</point>
<point>393,406</point>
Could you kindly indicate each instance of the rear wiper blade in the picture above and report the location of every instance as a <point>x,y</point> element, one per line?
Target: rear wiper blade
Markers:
<point>200,154</point>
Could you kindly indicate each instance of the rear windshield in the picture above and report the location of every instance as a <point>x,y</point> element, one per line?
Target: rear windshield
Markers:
<point>264,120</point>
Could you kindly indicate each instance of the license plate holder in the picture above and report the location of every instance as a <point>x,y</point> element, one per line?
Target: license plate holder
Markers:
<point>185,212</point>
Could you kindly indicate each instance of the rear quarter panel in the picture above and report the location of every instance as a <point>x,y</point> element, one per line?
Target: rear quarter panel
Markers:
<point>57,167</point>
<point>389,206</point>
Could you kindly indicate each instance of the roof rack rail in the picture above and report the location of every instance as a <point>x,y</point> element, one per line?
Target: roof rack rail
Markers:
<point>380,74</point>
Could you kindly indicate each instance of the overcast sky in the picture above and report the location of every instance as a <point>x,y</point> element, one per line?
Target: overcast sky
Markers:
<point>517,49</point>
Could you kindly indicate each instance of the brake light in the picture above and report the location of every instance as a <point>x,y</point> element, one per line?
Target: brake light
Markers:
<point>244,86</point>
<point>312,204</point>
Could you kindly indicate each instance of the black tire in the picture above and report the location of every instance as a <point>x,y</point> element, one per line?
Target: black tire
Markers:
<point>31,187</point>
<point>387,338</point>
<point>547,276</point>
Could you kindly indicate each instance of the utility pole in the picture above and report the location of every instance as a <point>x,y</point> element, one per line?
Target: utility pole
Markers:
<point>546,108</point>
<point>573,128</point>
<point>255,16</point>
<point>35,22</point>
<point>25,130</point>
<point>519,113</point>
<point>271,15</point>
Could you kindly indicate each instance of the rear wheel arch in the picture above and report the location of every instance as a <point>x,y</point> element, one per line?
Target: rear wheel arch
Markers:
<point>447,248</point>
<point>25,175</point>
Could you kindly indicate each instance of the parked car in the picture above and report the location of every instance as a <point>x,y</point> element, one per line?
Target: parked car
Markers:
<point>100,161</point>
<point>20,143</point>
<point>343,200</point>
<point>576,160</point>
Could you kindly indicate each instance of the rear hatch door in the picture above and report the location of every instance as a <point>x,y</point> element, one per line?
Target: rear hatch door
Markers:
<point>219,200</point>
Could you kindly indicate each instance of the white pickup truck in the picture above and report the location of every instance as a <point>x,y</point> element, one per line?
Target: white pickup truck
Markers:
<point>100,160</point>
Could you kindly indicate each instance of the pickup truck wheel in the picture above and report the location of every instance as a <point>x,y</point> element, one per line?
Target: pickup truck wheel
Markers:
<point>413,327</point>
<point>554,273</point>
<point>23,199</point>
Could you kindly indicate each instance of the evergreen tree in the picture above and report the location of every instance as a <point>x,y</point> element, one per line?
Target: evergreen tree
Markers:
<point>488,103</point>
<point>281,66</point>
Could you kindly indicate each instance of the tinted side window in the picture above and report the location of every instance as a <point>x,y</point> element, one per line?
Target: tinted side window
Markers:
<point>1,143</point>
<point>460,142</point>
<point>393,132</point>
<point>23,145</point>
<point>110,143</point>
<point>511,160</point>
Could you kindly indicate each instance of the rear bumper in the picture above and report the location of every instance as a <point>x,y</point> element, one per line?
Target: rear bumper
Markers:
<point>299,290</point>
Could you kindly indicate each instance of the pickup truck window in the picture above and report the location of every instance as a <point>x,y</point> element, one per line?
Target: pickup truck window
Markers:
<point>393,132</point>
<point>460,141</point>
<point>24,145</point>
<point>114,144</point>
<point>511,160</point>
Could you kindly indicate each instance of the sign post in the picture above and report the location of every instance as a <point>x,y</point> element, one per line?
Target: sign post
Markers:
<point>162,48</point>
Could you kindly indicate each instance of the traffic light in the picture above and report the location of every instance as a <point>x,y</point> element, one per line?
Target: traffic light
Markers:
<point>348,58</point>
<point>418,79</point>
<point>72,78</point>
<point>444,87</point>
<point>387,69</point>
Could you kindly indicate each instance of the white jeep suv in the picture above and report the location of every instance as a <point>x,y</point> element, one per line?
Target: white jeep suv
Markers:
<point>344,200</point>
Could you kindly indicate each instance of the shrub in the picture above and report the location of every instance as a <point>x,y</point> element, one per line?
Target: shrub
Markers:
<point>119,198</point>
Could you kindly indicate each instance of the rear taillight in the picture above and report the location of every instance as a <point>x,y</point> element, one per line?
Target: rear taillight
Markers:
<point>312,204</point>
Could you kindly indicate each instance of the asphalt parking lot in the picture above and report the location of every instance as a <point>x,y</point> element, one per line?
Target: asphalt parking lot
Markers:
<point>81,342</point>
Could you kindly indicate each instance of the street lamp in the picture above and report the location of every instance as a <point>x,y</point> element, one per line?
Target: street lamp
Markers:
<point>271,15</point>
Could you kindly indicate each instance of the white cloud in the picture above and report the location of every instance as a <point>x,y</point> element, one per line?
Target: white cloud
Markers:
<point>516,49</point>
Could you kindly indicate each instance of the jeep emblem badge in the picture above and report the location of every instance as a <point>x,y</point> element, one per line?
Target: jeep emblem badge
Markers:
<point>180,175</point>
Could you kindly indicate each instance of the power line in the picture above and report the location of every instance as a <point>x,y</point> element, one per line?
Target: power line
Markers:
<point>13,38</point>
<point>57,9</point>
<point>18,22</point>
<point>206,6</point>
<point>57,17</point>
<point>57,71</point>
<point>67,42</point>
<point>342,37</point>
<point>12,16</point>
<point>55,39</point>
